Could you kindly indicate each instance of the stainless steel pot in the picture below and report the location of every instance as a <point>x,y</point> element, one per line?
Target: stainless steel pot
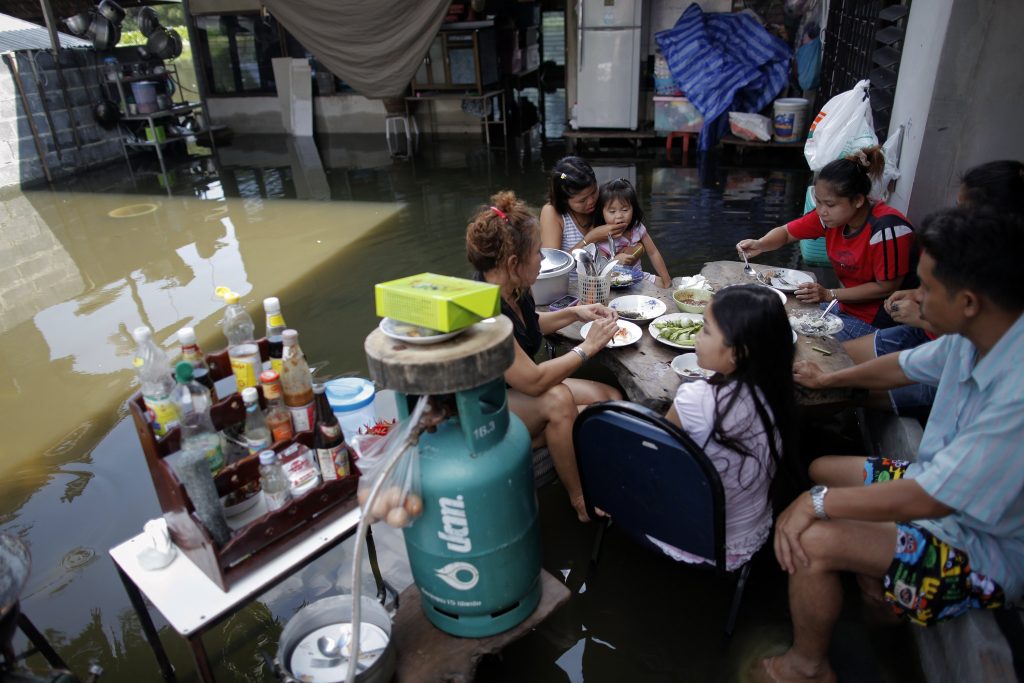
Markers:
<point>553,281</point>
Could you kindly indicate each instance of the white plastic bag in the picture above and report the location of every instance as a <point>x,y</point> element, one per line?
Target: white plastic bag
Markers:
<point>750,126</point>
<point>843,126</point>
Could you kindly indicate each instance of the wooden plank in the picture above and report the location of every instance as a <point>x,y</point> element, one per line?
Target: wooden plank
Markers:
<point>427,654</point>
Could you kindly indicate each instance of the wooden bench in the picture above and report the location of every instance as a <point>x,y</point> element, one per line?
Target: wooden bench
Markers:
<point>979,645</point>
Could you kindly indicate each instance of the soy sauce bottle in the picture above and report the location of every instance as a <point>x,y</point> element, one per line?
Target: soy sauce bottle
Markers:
<point>191,352</point>
<point>328,441</point>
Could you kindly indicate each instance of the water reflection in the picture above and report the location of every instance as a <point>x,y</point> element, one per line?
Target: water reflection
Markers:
<point>74,482</point>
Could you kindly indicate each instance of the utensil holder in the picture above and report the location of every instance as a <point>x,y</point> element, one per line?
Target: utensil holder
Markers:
<point>594,289</point>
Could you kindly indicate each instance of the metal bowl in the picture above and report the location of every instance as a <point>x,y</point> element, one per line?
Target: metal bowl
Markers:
<point>79,24</point>
<point>112,11</point>
<point>147,20</point>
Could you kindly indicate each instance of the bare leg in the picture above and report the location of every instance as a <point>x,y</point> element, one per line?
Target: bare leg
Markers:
<point>586,392</point>
<point>816,595</point>
<point>550,417</point>
<point>838,470</point>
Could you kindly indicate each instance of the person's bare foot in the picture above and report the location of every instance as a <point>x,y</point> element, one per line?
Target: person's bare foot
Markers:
<point>784,669</point>
<point>600,513</point>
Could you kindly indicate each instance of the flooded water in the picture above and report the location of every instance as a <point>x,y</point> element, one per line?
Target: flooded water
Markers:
<point>82,265</point>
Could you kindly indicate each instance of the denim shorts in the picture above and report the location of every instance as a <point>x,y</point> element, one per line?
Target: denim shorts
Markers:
<point>914,400</point>
<point>852,327</point>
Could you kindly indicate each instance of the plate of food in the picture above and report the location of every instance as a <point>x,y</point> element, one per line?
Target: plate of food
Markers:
<point>414,334</point>
<point>627,334</point>
<point>622,277</point>
<point>678,330</point>
<point>685,365</point>
<point>813,325</point>
<point>784,279</point>
<point>637,307</point>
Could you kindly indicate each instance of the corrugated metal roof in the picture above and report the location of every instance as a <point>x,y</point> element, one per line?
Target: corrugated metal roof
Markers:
<point>16,34</point>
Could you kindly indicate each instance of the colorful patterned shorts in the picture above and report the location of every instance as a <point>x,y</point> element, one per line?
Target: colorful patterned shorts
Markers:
<point>929,580</point>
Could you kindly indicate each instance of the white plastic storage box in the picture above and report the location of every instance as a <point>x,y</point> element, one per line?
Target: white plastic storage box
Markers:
<point>676,114</point>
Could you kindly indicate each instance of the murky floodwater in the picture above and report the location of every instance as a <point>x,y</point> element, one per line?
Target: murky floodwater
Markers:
<point>81,266</point>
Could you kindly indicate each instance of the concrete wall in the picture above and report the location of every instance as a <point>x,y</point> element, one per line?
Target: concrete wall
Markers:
<point>961,92</point>
<point>19,160</point>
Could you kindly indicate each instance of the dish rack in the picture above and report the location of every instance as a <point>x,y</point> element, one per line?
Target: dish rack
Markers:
<point>262,539</point>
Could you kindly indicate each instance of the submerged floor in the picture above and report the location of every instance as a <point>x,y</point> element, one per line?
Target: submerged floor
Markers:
<point>264,220</point>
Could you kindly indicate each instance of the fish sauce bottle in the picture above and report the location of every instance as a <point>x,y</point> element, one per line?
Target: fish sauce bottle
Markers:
<point>157,383</point>
<point>275,330</point>
<point>243,351</point>
<point>197,431</point>
<point>191,352</point>
<point>279,420</point>
<point>328,441</point>
<point>296,383</point>
<point>257,434</point>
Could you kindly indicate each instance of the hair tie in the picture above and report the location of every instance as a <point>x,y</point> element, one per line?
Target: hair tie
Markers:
<point>499,212</point>
<point>862,158</point>
<point>563,176</point>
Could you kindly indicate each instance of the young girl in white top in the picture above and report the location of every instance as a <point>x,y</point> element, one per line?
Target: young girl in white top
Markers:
<point>742,415</point>
<point>617,203</point>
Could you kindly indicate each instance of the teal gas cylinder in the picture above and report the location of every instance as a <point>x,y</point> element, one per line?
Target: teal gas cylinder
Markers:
<point>475,551</point>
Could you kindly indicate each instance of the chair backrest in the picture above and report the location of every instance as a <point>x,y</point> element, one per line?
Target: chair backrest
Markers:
<point>651,477</point>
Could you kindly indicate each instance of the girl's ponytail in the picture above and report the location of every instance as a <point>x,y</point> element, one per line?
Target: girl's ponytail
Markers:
<point>853,174</point>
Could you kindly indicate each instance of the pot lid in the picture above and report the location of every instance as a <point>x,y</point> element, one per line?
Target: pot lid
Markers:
<point>553,259</point>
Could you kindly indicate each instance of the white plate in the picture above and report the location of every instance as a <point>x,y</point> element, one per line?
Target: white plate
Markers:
<point>634,334</point>
<point>812,325</point>
<point>619,278</point>
<point>673,316</point>
<point>686,367</point>
<point>647,307</point>
<point>793,278</point>
<point>414,334</point>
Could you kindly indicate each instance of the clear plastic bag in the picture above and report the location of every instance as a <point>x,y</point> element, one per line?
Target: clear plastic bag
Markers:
<point>399,500</point>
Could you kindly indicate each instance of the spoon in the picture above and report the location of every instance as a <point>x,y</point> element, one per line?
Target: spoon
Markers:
<point>828,308</point>
<point>746,264</point>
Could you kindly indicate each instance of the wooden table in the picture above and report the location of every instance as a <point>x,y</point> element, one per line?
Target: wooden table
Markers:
<point>643,371</point>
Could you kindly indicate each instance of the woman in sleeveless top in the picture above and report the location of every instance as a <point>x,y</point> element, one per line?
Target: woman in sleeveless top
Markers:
<point>503,246</point>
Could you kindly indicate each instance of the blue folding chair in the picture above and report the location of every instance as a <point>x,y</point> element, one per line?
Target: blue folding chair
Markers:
<point>652,480</point>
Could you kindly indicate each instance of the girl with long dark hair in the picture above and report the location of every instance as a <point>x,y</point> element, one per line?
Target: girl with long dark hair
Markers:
<point>742,415</point>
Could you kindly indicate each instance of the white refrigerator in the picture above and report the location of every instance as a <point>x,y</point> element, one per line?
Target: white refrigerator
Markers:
<point>608,49</point>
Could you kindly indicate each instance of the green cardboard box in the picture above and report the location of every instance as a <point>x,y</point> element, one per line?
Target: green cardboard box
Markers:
<point>437,301</point>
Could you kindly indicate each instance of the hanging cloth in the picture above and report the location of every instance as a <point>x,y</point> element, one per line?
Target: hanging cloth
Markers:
<point>375,46</point>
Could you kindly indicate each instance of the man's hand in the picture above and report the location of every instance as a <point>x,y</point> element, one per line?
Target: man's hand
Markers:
<point>807,373</point>
<point>791,524</point>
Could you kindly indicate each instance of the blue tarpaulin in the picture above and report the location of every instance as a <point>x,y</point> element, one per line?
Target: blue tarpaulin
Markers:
<point>724,62</point>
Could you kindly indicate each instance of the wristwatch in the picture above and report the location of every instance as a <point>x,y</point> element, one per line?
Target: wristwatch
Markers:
<point>818,501</point>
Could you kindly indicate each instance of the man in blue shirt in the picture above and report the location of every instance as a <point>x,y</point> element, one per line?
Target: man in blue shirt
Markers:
<point>965,545</point>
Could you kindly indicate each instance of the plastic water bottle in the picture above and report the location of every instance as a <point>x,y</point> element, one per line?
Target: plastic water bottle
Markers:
<point>273,481</point>
<point>197,431</point>
<point>257,435</point>
<point>154,371</point>
<point>243,352</point>
<point>191,352</point>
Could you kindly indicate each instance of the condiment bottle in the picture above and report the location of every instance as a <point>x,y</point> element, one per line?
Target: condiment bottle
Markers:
<point>328,441</point>
<point>257,435</point>
<point>243,352</point>
<point>273,481</point>
<point>275,328</point>
<point>191,352</point>
<point>279,419</point>
<point>154,371</point>
<point>197,431</point>
<point>296,384</point>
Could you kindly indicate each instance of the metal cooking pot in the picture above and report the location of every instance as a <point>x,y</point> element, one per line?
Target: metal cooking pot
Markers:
<point>300,655</point>
<point>159,43</point>
<point>104,33</point>
<point>147,20</point>
<point>112,11</point>
<point>79,24</point>
<point>176,44</point>
<point>553,281</point>
<point>106,114</point>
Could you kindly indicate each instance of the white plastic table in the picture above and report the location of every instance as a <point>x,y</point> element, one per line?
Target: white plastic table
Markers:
<point>192,603</point>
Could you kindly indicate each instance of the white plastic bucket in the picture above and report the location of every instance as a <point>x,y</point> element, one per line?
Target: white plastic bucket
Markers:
<point>144,93</point>
<point>790,119</point>
<point>351,400</point>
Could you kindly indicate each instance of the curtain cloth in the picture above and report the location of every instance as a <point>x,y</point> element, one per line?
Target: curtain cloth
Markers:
<point>375,46</point>
<point>724,62</point>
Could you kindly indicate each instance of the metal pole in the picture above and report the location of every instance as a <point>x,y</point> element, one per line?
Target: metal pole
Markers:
<point>12,64</point>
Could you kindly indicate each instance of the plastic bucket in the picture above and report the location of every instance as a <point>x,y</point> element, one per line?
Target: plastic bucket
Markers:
<point>351,400</point>
<point>144,93</point>
<point>790,119</point>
